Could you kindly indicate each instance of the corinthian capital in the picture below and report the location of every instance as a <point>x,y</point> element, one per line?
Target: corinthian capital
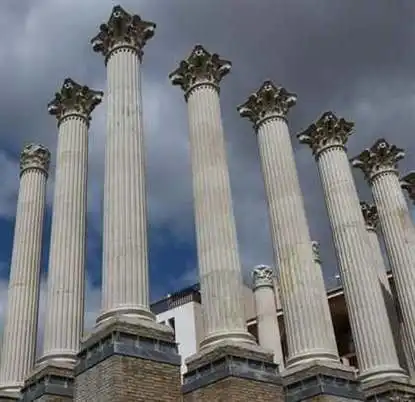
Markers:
<point>370,214</point>
<point>35,156</point>
<point>122,30</point>
<point>269,101</point>
<point>329,131</point>
<point>262,276</point>
<point>382,157</point>
<point>408,184</point>
<point>74,99</point>
<point>201,67</point>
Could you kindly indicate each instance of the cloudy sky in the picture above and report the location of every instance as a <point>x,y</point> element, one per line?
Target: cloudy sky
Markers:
<point>358,61</point>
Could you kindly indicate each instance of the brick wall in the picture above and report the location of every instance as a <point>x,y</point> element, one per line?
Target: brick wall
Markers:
<point>129,379</point>
<point>233,389</point>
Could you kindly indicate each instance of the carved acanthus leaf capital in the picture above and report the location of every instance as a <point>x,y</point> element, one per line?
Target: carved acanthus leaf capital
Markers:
<point>34,156</point>
<point>370,215</point>
<point>268,101</point>
<point>200,67</point>
<point>328,131</point>
<point>408,184</point>
<point>74,99</point>
<point>382,157</point>
<point>262,275</point>
<point>315,245</point>
<point>122,29</point>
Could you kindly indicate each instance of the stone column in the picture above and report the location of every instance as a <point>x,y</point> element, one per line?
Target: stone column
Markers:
<point>228,352</point>
<point>20,329</point>
<point>266,312</point>
<point>371,217</point>
<point>219,267</point>
<point>303,292</point>
<point>125,283</point>
<point>380,166</point>
<point>368,316</point>
<point>149,367</point>
<point>64,318</point>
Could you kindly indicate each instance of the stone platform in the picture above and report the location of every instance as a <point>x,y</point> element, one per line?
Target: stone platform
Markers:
<point>231,372</point>
<point>127,360</point>
<point>51,382</point>
<point>321,381</point>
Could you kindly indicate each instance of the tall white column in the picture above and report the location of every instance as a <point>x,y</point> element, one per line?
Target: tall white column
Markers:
<point>20,329</point>
<point>380,166</point>
<point>219,267</point>
<point>125,282</point>
<point>308,324</point>
<point>371,217</point>
<point>266,311</point>
<point>64,318</point>
<point>368,316</point>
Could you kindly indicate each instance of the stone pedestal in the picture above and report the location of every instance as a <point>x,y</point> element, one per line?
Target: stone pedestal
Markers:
<point>232,373</point>
<point>307,318</point>
<point>128,360</point>
<point>218,258</point>
<point>380,166</point>
<point>20,329</point>
<point>266,312</point>
<point>51,381</point>
<point>318,381</point>
<point>390,391</point>
<point>125,285</point>
<point>64,318</point>
<point>372,334</point>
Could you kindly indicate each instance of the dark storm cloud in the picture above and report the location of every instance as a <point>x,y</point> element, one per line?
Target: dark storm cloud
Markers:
<point>357,59</point>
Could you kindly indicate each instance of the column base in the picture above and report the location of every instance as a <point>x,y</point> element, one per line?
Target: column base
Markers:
<point>50,381</point>
<point>128,360</point>
<point>9,396</point>
<point>311,357</point>
<point>321,381</point>
<point>383,374</point>
<point>58,357</point>
<point>235,338</point>
<point>129,312</point>
<point>232,372</point>
<point>386,391</point>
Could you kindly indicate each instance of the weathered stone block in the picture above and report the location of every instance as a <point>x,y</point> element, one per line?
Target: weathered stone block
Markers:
<point>233,373</point>
<point>320,381</point>
<point>387,391</point>
<point>49,382</point>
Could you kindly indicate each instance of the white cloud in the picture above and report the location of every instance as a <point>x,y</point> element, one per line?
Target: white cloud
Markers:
<point>48,40</point>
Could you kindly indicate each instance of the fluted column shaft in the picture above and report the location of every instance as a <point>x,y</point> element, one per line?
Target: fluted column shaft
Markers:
<point>399,236</point>
<point>266,312</point>
<point>309,328</point>
<point>398,332</point>
<point>64,319</point>
<point>20,329</point>
<point>368,317</point>
<point>218,257</point>
<point>125,283</point>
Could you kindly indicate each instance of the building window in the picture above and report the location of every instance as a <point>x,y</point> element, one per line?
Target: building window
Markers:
<point>253,330</point>
<point>172,325</point>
